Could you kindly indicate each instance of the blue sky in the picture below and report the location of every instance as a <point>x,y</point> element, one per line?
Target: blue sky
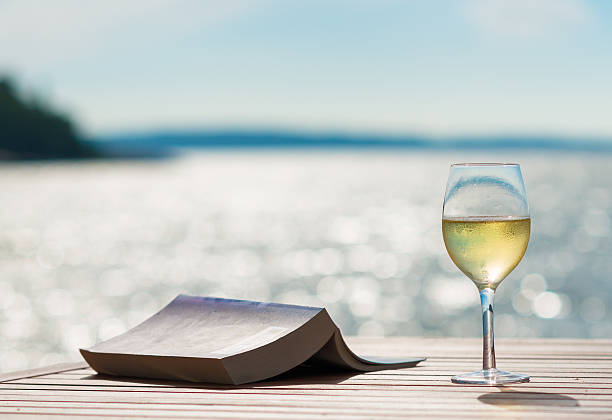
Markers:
<point>436,67</point>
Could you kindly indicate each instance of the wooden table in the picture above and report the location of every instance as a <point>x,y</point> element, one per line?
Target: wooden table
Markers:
<point>570,379</point>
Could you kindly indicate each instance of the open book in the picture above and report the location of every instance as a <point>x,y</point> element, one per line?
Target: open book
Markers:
<point>202,339</point>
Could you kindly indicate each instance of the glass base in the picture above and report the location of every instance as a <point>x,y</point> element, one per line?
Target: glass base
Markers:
<point>490,377</point>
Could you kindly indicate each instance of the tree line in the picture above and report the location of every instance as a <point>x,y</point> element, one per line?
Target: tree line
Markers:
<point>31,130</point>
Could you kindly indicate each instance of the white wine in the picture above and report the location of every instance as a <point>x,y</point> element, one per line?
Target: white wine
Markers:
<point>486,249</point>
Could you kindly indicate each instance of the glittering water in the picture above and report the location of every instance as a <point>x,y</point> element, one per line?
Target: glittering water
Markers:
<point>90,249</point>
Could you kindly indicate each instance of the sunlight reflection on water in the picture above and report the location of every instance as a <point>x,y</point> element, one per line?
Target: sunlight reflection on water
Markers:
<point>90,249</point>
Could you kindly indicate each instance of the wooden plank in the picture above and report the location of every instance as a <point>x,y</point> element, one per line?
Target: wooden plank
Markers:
<point>378,409</point>
<point>517,398</point>
<point>382,391</point>
<point>30,373</point>
<point>495,398</point>
<point>363,384</point>
<point>425,414</point>
<point>292,412</point>
<point>265,393</point>
<point>332,393</point>
<point>429,371</point>
<point>421,377</point>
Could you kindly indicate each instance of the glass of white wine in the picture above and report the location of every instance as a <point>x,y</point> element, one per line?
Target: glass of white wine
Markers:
<point>486,226</point>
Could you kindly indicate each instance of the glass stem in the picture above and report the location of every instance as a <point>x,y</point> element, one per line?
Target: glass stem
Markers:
<point>488,346</point>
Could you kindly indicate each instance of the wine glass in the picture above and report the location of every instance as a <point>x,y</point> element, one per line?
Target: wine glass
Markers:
<point>486,226</point>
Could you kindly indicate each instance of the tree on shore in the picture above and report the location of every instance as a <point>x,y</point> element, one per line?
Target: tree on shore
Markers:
<point>30,130</point>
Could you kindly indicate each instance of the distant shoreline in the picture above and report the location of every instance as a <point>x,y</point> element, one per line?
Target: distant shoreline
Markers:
<point>161,144</point>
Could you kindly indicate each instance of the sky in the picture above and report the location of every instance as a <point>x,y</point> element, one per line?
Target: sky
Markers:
<point>439,67</point>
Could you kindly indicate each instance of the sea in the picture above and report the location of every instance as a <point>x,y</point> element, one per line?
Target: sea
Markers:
<point>89,249</point>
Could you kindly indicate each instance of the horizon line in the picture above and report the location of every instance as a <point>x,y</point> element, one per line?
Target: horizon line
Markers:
<point>258,132</point>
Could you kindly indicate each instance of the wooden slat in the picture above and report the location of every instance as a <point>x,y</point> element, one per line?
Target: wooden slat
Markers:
<point>29,373</point>
<point>409,378</point>
<point>570,379</point>
<point>353,382</point>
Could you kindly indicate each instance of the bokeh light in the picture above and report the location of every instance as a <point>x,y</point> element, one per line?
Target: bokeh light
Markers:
<point>91,249</point>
